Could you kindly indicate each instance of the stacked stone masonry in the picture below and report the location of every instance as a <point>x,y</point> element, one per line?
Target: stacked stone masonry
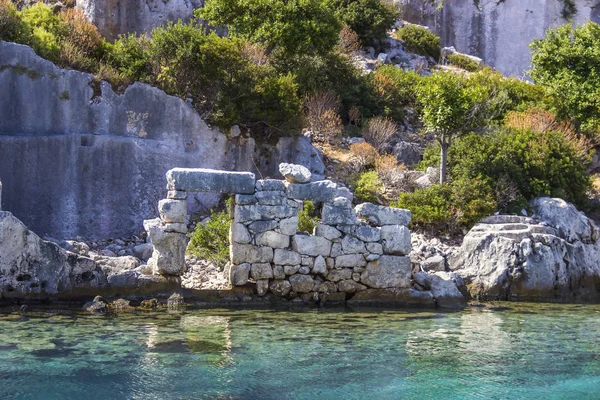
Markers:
<point>351,250</point>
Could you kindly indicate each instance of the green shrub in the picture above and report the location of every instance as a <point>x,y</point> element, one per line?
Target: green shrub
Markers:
<point>531,163</point>
<point>420,40</point>
<point>430,207</point>
<point>472,200</point>
<point>211,242</point>
<point>396,90</point>
<point>463,61</point>
<point>293,26</point>
<point>370,19</point>
<point>567,63</point>
<point>47,30</point>
<point>367,187</point>
<point>307,221</point>
<point>130,56</point>
<point>12,26</point>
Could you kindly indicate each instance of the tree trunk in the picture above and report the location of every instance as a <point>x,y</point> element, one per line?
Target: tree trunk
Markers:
<point>444,159</point>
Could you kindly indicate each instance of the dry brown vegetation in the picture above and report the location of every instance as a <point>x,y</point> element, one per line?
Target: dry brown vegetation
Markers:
<point>379,131</point>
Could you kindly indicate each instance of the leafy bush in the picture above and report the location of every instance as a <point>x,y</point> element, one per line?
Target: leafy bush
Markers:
<point>396,89</point>
<point>567,63</point>
<point>531,163</point>
<point>293,26</point>
<point>430,207</point>
<point>47,30</point>
<point>420,40</point>
<point>370,19</point>
<point>367,187</point>
<point>12,26</point>
<point>130,56</point>
<point>307,221</point>
<point>211,242</point>
<point>463,61</point>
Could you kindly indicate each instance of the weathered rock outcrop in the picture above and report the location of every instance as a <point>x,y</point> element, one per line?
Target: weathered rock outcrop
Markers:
<point>554,256</point>
<point>114,18</point>
<point>497,31</point>
<point>30,265</point>
<point>80,159</point>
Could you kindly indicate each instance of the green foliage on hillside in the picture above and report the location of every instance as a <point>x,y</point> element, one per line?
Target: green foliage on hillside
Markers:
<point>463,61</point>
<point>367,186</point>
<point>370,19</point>
<point>567,63</point>
<point>307,219</point>
<point>294,26</point>
<point>420,40</point>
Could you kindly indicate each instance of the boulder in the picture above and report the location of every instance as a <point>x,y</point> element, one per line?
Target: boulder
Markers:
<point>351,245</point>
<point>289,226</point>
<point>397,296</point>
<point>270,185</point>
<point>435,263</point>
<point>387,272</point>
<point>515,258</point>
<point>350,261</point>
<point>336,275</point>
<point>270,198</point>
<point>262,286</point>
<point>175,301</point>
<point>295,173</point>
<point>443,288</point>
<point>381,216</point>
<point>319,266</point>
<point>208,180</point>
<point>328,232</point>
<point>143,251</point>
<point>30,265</point>
<point>238,233</point>
<point>261,271</point>
<point>349,286</point>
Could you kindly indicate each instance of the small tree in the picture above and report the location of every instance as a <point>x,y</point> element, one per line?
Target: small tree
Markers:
<point>451,107</point>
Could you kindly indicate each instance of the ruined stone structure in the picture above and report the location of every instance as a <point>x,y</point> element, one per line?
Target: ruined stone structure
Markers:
<point>359,253</point>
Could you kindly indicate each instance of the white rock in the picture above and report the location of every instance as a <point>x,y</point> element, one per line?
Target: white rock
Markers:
<point>172,210</point>
<point>286,257</point>
<point>311,245</point>
<point>273,239</point>
<point>387,272</point>
<point>320,266</point>
<point>238,233</point>
<point>396,240</point>
<point>261,271</point>
<point>288,226</point>
<point>239,274</point>
<point>242,253</point>
<point>295,173</point>
<point>328,232</point>
<point>350,261</point>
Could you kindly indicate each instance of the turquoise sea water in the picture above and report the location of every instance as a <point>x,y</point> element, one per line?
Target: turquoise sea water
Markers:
<point>514,351</point>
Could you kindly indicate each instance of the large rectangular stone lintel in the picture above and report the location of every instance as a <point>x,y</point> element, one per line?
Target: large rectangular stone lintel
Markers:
<point>210,180</point>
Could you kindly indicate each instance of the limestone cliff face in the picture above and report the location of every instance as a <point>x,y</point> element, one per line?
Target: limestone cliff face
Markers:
<point>76,158</point>
<point>115,17</point>
<point>497,31</point>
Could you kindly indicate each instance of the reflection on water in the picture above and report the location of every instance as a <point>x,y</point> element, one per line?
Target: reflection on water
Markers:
<point>519,351</point>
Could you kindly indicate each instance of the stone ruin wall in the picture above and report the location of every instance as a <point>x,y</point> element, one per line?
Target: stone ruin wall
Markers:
<point>352,251</point>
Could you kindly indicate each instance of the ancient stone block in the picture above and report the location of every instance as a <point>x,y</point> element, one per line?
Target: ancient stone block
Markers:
<point>280,288</point>
<point>350,261</point>
<point>387,272</point>
<point>278,272</point>
<point>302,283</point>
<point>270,184</point>
<point>286,257</point>
<point>245,199</point>
<point>304,270</point>
<point>350,286</point>
<point>351,245</point>
<point>261,271</point>
<point>320,266</point>
<point>396,240</point>
<point>339,212</point>
<point>336,250</point>
<point>381,216</point>
<point>375,248</point>
<point>336,275</point>
<point>242,253</point>
<point>262,286</point>
<point>367,234</point>
<point>238,233</point>
<point>311,245</point>
<point>319,192</point>
<point>433,264</point>
<point>288,226</point>
<point>176,227</point>
<point>262,212</point>
<point>208,180</point>
<point>291,269</point>
<point>238,274</point>
<point>172,210</point>
<point>327,287</point>
<point>271,198</point>
<point>328,232</point>
<point>168,257</point>
<point>261,226</point>
<point>273,239</point>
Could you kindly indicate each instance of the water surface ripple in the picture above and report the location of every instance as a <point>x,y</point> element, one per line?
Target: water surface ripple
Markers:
<point>515,351</point>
